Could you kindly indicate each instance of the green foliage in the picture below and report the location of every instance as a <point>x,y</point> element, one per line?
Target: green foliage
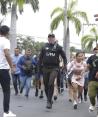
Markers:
<point>72,16</point>
<point>88,40</point>
<point>24,42</point>
<point>6,4</point>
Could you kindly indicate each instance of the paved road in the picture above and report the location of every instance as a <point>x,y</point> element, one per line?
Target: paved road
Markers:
<point>34,107</point>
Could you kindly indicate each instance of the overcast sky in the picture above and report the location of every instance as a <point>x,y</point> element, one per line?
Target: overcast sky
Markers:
<point>38,24</point>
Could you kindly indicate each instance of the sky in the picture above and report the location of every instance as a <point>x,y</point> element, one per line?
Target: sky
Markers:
<point>38,24</point>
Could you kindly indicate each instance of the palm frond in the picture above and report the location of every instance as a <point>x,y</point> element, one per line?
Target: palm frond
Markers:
<point>87,39</point>
<point>72,5</point>
<point>55,22</point>
<point>3,5</point>
<point>77,24</point>
<point>89,46</point>
<point>81,14</point>
<point>35,5</point>
<point>94,31</point>
<point>20,4</point>
<point>57,10</point>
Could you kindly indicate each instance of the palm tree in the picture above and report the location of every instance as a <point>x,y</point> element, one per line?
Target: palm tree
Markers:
<point>13,4</point>
<point>88,40</point>
<point>72,16</point>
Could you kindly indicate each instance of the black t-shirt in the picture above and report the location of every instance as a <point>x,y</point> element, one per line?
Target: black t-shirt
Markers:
<point>93,62</point>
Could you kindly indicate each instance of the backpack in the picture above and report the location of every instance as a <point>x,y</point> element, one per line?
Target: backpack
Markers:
<point>51,55</point>
<point>29,66</point>
<point>94,65</point>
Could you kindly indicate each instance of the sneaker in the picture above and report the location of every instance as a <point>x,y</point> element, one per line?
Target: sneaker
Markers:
<point>91,108</point>
<point>79,100</point>
<point>21,90</point>
<point>36,93</point>
<point>26,95</point>
<point>62,90</point>
<point>70,100</point>
<point>41,95</point>
<point>55,98</point>
<point>49,105</point>
<point>75,105</point>
<point>9,114</point>
<point>85,98</point>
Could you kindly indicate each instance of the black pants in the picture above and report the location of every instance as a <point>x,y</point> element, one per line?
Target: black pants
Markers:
<point>16,82</point>
<point>5,84</point>
<point>49,76</point>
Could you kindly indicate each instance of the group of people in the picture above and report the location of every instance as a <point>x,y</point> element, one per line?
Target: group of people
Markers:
<point>22,67</point>
<point>46,69</point>
<point>83,77</point>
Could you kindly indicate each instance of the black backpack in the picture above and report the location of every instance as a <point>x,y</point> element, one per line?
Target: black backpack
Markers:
<point>29,66</point>
<point>94,65</point>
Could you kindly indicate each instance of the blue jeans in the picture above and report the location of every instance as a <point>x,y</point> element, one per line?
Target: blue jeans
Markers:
<point>25,81</point>
<point>16,82</point>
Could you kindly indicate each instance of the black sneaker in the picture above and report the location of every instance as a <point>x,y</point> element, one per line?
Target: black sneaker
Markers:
<point>62,90</point>
<point>70,100</point>
<point>85,98</point>
<point>36,93</point>
<point>26,96</point>
<point>21,90</point>
<point>41,95</point>
<point>49,105</point>
<point>75,106</point>
<point>55,98</point>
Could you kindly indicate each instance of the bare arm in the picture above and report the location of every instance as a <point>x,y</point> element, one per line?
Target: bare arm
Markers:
<point>8,57</point>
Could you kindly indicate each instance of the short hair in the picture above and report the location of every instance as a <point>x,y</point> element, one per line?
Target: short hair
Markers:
<point>96,48</point>
<point>4,30</point>
<point>51,35</point>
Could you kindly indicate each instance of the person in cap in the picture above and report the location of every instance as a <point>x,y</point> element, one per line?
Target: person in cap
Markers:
<point>49,58</point>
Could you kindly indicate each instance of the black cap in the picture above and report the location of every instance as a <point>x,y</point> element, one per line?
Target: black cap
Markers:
<point>51,35</point>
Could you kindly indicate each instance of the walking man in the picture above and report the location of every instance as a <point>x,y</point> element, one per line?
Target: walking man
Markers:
<point>49,58</point>
<point>16,72</point>
<point>25,64</point>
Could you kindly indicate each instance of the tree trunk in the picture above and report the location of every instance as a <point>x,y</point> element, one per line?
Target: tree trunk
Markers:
<point>13,28</point>
<point>66,33</point>
<point>68,42</point>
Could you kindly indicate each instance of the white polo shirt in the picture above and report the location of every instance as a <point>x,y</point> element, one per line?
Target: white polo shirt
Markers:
<point>4,44</point>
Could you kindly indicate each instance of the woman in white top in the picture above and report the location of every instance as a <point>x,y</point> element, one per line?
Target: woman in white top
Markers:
<point>77,66</point>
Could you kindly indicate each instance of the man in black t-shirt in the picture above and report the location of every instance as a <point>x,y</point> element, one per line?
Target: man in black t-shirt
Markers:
<point>92,64</point>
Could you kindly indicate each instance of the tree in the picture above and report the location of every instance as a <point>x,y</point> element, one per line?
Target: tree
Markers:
<point>13,4</point>
<point>88,40</point>
<point>72,16</point>
<point>24,42</point>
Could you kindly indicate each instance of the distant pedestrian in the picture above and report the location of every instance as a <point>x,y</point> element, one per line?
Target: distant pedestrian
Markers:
<point>5,65</point>
<point>16,72</point>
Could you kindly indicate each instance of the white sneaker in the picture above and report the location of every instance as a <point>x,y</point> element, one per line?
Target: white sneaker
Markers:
<point>91,108</point>
<point>10,114</point>
<point>79,101</point>
<point>75,105</point>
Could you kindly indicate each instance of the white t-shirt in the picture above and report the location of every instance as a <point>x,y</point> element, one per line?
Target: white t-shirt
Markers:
<point>4,44</point>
